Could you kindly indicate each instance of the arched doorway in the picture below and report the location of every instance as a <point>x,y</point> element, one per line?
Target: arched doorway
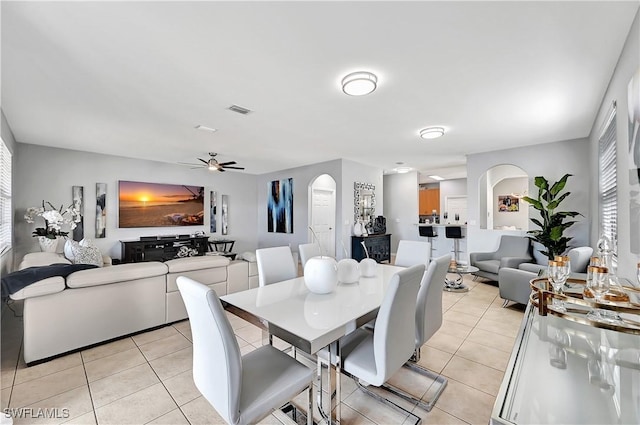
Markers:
<point>322,212</point>
<point>501,189</point>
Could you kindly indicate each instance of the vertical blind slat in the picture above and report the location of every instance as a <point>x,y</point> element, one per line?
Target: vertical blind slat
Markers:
<point>608,183</point>
<point>5,197</point>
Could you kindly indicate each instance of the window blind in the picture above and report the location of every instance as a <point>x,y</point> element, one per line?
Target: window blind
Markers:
<point>5,198</point>
<point>608,183</point>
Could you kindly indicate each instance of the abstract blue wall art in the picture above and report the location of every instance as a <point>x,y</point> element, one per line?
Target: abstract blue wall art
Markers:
<point>280,206</point>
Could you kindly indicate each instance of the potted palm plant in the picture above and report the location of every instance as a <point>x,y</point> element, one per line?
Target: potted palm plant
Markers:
<point>552,223</point>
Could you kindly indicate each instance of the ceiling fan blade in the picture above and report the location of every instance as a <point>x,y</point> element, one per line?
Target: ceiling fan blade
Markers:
<point>202,160</point>
<point>235,168</point>
<point>221,169</point>
<point>224,164</point>
<point>189,163</point>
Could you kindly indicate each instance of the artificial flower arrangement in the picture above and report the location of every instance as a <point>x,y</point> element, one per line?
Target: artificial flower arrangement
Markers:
<point>53,219</point>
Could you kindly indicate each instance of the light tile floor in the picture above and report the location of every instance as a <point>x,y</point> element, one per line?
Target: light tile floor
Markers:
<point>146,378</point>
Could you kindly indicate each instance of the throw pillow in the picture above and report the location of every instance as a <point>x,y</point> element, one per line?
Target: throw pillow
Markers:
<point>69,246</point>
<point>87,255</point>
<point>87,242</point>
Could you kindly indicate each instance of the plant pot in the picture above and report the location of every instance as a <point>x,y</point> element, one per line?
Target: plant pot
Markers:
<point>48,245</point>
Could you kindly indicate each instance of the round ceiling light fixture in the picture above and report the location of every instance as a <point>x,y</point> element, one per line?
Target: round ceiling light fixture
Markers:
<point>359,83</point>
<point>432,132</point>
<point>402,170</point>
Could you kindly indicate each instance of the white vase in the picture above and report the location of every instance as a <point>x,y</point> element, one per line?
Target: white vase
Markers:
<point>368,267</point>
<point>48,245</point>
<point>363,229</point>
<point>357,229</point>
<point>348,270</point>
<point>321,274</point>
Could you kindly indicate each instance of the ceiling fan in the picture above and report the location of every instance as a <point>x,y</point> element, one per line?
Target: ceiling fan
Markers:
<point>212,164</point>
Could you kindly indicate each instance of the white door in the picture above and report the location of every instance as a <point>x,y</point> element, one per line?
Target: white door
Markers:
<point>323,219</point>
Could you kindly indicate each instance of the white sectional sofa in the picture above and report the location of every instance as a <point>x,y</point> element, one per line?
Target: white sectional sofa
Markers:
<point>97,305</point>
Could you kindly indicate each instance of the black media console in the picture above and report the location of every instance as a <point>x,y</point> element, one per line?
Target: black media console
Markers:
<point>162,248</point>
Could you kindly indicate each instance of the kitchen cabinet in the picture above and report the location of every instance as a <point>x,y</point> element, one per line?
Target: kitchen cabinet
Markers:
<point>429,200</point>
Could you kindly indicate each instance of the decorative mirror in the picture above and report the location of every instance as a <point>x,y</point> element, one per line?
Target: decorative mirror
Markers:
<point>364,196</point>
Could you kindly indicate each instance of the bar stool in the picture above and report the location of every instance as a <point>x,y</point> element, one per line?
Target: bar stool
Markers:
<point>429,232</point>
<point>455,233</point>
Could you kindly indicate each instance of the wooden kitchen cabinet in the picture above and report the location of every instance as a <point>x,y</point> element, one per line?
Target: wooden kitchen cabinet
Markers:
<point>429,200</point>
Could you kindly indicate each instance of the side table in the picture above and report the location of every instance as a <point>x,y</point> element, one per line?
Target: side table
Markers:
<point>456,285</point>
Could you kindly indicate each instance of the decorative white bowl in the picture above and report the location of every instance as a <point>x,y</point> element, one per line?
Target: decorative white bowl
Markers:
<point>321,274</point>
<point>368,267</point>
<point>348,270</point>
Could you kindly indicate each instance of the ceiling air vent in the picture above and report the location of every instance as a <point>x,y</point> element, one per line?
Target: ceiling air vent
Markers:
<point>239,109</point>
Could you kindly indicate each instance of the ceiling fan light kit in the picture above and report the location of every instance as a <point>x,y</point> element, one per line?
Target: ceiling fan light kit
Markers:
<point>212,164</point>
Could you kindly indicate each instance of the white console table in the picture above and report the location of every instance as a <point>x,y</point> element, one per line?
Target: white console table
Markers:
<point>561,372</point>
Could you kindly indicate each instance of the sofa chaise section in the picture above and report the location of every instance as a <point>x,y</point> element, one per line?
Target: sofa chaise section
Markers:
<point>97,305</point>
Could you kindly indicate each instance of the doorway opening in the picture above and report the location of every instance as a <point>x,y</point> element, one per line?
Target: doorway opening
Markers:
<point>322,213</point>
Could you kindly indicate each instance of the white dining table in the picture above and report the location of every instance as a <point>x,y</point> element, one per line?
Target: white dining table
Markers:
<point>310,322</point>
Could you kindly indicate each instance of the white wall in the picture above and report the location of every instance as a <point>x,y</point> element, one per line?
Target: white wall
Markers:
<point>520,218</point>
<point>551,160</point>
<point>628,64</point>
<point>48,173</point>
<point>353,172</point>
<point>345,173</point>
<point>302,178</point>
<point>455,187</point>
<point>401,207</point>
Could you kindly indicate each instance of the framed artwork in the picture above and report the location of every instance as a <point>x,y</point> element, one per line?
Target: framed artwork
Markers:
<point>280,206</point>
<point>159,205</point>
<point>101,210</point>
<point>225,214</point>
<point>508,203</point>
<point>77,194</point>
<point>212,211</point>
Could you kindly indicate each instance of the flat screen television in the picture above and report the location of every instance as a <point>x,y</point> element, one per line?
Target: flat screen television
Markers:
<point>159,205</point>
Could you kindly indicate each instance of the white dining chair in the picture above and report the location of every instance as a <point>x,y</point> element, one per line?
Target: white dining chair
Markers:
<point>428,319</point>
<point>275,265</point>
<point>242,389</point>
<point>411,253</point>
<point>308,250</point>
<point>373,357</point>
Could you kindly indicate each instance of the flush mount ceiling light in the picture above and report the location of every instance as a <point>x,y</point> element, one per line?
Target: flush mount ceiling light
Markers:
<point>432,132</point>
<point>403,170</point>
<point>437,178</point>
<point>205,128</point>
<point>359,83</point>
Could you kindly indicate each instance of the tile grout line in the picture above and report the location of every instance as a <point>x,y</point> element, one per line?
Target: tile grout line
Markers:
<point>93,406</point>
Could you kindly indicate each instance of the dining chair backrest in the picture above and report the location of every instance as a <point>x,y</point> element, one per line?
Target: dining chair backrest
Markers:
<point>308,250</point>
<point>395,330</point>
<point>411,253</point>
<point>429,304</point>
<point>275,265</point>
<point>217,364</point>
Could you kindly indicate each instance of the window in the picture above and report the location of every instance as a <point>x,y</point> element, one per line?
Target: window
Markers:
<point>608,199</point>
<point>5,198</point>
